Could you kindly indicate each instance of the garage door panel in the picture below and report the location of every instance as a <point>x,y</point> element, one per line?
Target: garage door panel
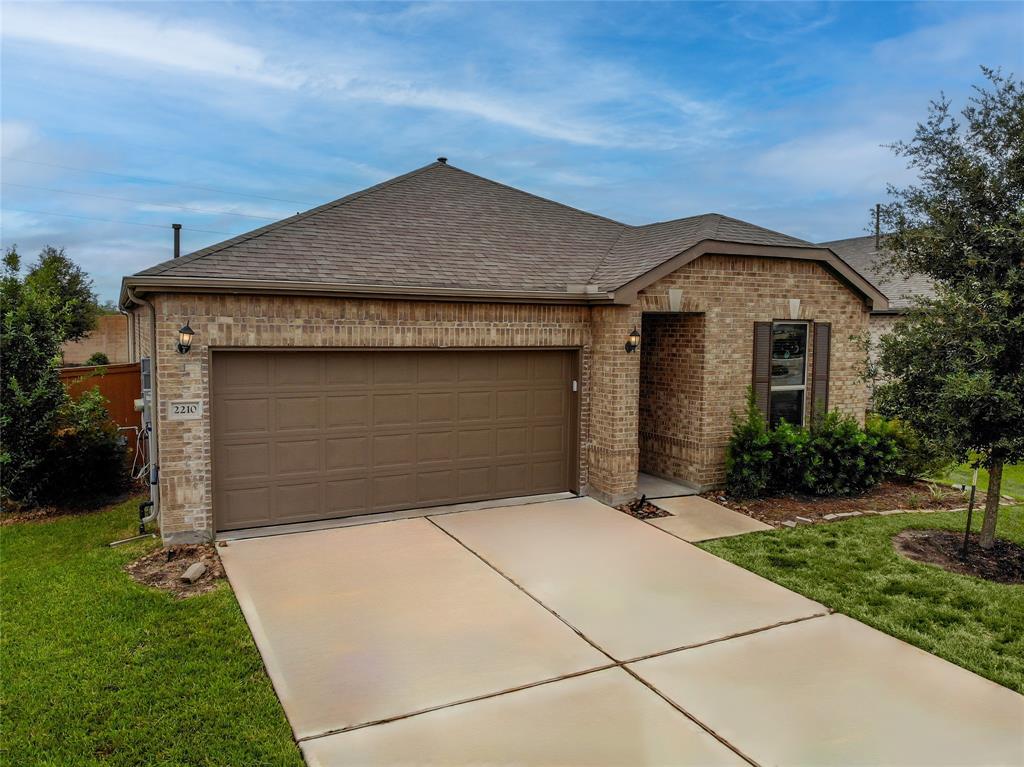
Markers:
<point>436,446</point>
<point>475,405</point>
<point>512,404</point>
<point>244,508</point>
<point>346,453</point>
<point>347,411</point>
<point>346,496</point>
<point>348,370</point>
<point>296,370</point>
<point>292,413</point>
<point>245,416</point>
<point>309,435</point>
<point>394,409</point>
<point>390,369</point>
<point>512,441</point>
<point>476,443</point>
<point>298,457</point>
<point>436,408</point>
<point>246,461</point>
<point>394,450</point>
<point>477,367</point>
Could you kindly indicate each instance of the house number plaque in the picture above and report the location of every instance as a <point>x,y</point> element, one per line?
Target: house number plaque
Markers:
<point>184,410</point>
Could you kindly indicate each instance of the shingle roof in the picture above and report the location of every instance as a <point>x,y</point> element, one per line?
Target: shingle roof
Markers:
<point>860,253</point>
<point>443,227</point>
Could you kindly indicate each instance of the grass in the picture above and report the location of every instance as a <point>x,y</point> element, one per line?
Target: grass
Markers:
<point>98,669</point>
<point>1012,483</point>
<point>851,566</point>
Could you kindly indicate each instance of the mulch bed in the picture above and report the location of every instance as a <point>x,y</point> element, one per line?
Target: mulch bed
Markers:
<point>1003,563</point>
<point>163,568</point>
<point>915,496</point>
<point>647,511</point>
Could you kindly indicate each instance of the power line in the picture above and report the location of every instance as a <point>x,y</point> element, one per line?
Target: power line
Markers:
<point>150,179</point>
<point>139,202</point>
<point>110,220</point>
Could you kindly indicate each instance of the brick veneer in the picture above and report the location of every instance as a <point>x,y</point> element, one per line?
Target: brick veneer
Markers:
<point>697,365</point>
<point>222,321</point>
<point>731,293</point>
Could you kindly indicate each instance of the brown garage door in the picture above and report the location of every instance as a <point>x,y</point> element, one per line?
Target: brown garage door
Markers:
<point>299,436</point>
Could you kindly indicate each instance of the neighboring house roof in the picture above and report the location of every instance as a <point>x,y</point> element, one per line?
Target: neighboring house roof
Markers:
<point>442,230</point>
<point>861,254</point>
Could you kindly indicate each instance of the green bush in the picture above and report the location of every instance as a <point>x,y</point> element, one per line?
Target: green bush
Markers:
<point>836,456</point>
<point>86,462</point>
<point>749,455</point>
<point>99,358</point>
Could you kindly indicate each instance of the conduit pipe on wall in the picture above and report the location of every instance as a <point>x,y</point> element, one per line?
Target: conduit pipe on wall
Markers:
<point>154,458</point>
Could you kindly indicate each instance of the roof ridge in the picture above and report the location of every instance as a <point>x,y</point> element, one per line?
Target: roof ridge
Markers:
<point>543,199</point>
<point>722,217</point>
<point>245,236</point>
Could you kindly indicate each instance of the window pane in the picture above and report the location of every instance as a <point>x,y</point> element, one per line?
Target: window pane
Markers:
<point>788,405</point>
<point>789,353</point>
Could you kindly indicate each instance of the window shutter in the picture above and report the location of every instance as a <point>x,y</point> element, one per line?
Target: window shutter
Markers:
<point>822,353</point>
<point>762,365</point>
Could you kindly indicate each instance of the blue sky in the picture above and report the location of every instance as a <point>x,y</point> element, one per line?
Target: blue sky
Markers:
<point>771,112</point>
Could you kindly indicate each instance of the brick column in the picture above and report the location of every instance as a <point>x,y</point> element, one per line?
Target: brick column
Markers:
<point>614,405</point>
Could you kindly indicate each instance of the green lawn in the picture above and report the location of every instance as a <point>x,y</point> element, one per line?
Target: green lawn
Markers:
<point>852,567</point>
<point>1012,484</point>
<point>97,669</point>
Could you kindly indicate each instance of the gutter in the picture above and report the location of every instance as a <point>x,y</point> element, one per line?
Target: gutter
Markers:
<point>134,286</point>
<point>154,458</point>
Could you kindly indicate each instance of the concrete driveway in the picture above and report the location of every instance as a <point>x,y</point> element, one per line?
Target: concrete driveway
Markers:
<point>568,633</point>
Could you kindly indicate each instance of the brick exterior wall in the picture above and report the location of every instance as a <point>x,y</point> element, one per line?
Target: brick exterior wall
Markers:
<point>109,337</point>
<point>672,420</point>
<point>731,293</point>
<point>219,321</point>
<point>671,394</point>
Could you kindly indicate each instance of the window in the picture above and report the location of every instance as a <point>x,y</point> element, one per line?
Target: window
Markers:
<point>789,372</point>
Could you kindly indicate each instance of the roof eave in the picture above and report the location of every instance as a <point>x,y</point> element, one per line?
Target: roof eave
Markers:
<point>147,284</point>
<point>873,297</point>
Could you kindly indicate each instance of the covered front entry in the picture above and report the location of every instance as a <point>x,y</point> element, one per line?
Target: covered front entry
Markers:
<point>308,435</point>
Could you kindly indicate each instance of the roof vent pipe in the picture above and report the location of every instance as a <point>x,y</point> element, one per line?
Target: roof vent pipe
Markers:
<point>177,239</point>
<point>443,160</point>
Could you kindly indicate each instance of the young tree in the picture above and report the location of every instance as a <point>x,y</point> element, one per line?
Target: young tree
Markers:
<point>955,365</point>
<point>55,274</point>
<point>31,393</point>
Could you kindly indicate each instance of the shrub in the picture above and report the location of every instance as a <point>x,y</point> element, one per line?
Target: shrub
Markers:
<point>87,456</point>
<point>748,460</point>
<point>99,358</point>
<point>836,456</point>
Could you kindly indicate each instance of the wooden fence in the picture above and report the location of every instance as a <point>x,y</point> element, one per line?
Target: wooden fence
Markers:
<point>120,384</point>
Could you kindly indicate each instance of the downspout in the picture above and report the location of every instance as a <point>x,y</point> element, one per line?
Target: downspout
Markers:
<point>130,334</point>
<point>154,458</point>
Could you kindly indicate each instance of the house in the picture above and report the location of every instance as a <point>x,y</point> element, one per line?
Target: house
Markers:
<point>866,256</point>
<point>442,338</point>
<point>110,336</point>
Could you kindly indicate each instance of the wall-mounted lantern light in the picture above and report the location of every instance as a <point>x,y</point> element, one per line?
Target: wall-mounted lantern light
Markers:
<point>633,342</point>
<point>185,339</point>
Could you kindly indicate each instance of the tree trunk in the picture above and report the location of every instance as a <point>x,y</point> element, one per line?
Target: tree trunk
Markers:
<point>988,526</point>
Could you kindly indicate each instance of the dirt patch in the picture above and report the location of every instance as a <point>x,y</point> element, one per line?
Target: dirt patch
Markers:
<point>889,496</point>
<point>164,567</point>
<point>645,511</point>
<point>1003,563</point>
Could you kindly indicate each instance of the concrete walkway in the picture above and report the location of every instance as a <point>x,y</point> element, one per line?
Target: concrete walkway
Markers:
<point>698,519</point>
<point>569,633</point>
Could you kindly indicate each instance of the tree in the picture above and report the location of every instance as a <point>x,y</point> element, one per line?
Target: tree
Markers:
<point>60,277</point>
<point>31,393</point>
<point>955,365</point>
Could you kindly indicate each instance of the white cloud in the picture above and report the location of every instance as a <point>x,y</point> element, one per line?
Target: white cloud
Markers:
<point>148,40</point>
<point>16,136</point>
<point>836,163</point>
